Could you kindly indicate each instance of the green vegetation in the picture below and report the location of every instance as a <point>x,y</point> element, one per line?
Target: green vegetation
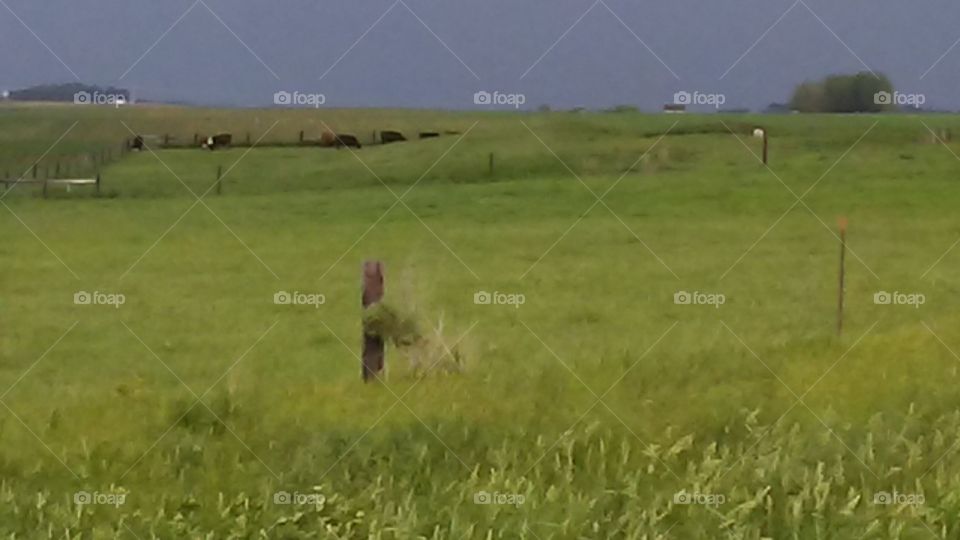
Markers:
<point>843,94</point>
<point>218,413</point>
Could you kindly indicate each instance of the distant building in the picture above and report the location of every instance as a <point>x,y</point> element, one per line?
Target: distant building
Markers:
<point>674,108</point>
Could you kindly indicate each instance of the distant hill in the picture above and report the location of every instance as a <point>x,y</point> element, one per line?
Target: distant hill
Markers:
<point>63,92</point>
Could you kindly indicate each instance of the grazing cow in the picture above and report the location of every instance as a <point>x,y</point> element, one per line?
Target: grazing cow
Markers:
<point>387,137</point>
<point>342,140</point>
<point>428,134</point>
<point>328,138</point>
<point>221,140</point>
<point>137,143</point>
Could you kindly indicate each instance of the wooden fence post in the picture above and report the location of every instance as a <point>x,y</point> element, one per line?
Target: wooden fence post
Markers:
<point>98,183</point>
<point>248,138</point>
<point>491,163</point>
<point>58,168</point>
<point>373,345</point>
<point>44,188</point>
<point>34,171</point>
<point>301,136</point>
<point>166,139</point>
<point>842,285</point>
<point>219,179</point>
<point>766,146</point>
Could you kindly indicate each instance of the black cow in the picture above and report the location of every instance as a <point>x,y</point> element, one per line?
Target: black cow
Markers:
<point>387,137</point>
<point>137,143</point>
<point>428,134</point>
<point>342,140</point>
<point>222,140</point>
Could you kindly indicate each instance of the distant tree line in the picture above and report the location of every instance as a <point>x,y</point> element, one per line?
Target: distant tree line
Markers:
<point>63,92</point>
<point>843,94</point>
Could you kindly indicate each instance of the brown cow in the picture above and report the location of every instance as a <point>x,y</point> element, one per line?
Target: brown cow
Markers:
<point>221,140</point>
<point>387,137</point>
<point>343,139</point>
<point>328,138</point>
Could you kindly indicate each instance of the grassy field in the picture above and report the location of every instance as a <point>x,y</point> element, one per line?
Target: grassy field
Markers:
<point>599,408</point>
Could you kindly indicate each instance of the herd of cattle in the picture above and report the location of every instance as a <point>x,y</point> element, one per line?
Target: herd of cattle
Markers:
<point>328,139</point>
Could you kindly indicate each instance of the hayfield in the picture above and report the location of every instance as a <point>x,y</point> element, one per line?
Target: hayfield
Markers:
<point>599,408</point>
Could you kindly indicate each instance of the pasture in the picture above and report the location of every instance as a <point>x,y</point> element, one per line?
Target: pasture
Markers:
<point>598,408</point>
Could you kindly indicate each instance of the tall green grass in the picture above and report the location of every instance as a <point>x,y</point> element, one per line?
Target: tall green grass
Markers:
<point>696,400</point>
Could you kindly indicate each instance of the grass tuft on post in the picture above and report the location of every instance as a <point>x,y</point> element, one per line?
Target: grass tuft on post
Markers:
<point>372,360</point>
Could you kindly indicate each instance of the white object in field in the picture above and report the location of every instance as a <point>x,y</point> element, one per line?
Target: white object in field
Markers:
<point>759,133</point>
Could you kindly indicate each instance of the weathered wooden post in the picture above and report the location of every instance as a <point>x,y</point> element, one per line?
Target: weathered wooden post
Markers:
<point>248,138</point>
<point>44,188</point>
<point>58,168</point>
<point>219,179</point>
<point>491,163</point>
<point>196,139</point>
<point>373,345</point>
<point>766,146</point>
<point>301,136</point>
<point>166,139</point>
<point>840,291</point>
<point>98,184</point>
<point>34,171</point>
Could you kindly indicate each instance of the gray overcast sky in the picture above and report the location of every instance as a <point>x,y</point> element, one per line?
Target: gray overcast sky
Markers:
<point>211,54</point>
